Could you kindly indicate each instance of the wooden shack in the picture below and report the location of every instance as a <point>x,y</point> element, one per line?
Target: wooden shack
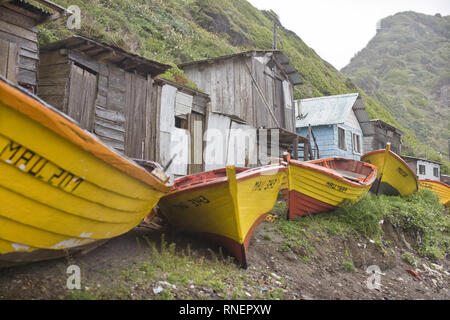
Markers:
<point>115,94</point>
<point>249,90</point>
<point>424,169</point>
<point>19,48</point>
<point>378,133</point>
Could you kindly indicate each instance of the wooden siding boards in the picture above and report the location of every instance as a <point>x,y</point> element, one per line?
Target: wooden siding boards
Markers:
<point>82,96</point>
<point>54,75</point>
<point>21,56</point>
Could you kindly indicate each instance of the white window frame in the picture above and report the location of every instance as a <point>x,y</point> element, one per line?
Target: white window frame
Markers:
<point>358,136</point>
<point>345,138</point>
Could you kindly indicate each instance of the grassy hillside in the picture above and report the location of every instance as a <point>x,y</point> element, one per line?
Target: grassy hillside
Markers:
<point>405,68</point>
<point>174,31</point>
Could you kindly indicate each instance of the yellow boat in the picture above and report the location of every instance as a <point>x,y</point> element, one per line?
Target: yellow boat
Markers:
<point>442,189</point>
<point>224,205</point>
<point>61,189</point>
<point>394,177</point>
<point>322,185</point>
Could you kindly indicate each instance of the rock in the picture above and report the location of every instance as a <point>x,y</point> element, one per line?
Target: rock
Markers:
<point>167,284</point>
<point>274,275</point>
<point>157,289</point>
<point>400,279</point>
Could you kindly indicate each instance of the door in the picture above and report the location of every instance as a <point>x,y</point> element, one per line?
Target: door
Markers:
<point>82,95</point>
<point>9,61</point>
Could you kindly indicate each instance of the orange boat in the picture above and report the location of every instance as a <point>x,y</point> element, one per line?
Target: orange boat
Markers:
<point>322,185</point>
<point>224,205</point>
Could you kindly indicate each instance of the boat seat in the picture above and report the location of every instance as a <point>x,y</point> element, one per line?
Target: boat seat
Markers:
<point>352,175</point>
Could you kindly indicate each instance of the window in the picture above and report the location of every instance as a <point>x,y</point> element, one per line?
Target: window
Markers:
<point>436,172</point>
<point>421,169</point>
<point>356,143</point>
<point>341,139</point>
<point>181,122</point>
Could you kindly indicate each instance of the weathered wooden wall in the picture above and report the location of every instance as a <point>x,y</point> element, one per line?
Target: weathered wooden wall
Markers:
<point>131,113</point>
<point>379,136</point>
<point>18,42</point>
<point>233,87</point>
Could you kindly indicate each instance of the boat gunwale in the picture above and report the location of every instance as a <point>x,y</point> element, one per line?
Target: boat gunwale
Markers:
<point>367,182</point>
<point>434,181</point>
<point>40,111</point>
<point>242,176</point>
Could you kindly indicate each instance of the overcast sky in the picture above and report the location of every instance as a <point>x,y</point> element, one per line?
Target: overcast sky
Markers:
<point>338,29</point>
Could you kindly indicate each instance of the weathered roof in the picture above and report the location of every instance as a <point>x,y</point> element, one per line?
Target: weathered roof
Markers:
<point>280,59</point>
<point>51,12</point>
<point>415,158</point>
<point>325,110</point>
<point>111,54</point>
<point>385,124</point>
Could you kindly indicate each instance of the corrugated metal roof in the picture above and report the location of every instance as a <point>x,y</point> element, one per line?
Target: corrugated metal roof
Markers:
<point>324,110</point>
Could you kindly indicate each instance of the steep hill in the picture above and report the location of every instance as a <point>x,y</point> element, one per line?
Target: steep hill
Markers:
<point>406,68</point>
<point>174,31</point>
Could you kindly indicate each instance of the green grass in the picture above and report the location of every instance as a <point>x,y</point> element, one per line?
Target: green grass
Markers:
<point>347,266</point>
<point>420,215</point>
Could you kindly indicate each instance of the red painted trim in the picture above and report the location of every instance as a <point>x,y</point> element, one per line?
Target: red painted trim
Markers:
<point>301,205</point>
<point>215,178</point>
<point>434,181</point>
<point>315,166</point>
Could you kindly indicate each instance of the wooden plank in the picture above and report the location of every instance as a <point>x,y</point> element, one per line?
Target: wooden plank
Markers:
<point>52,58</point>
<point>83,60</point>
<point>109,115</point>
<point>51,90</point>
<point>149,139</point>
<point>115,99</point>
<point>109,133</point>
<point>75,101</point>
<point>18,31</point>
<point>199,105</point>
<point>55,71</point>
<point>196,130</point>
<point>54,101</point>
<point>27,77</point>
<point>17,19</point>
<point>116,78</point>
<point>52,81</point>
<point>89,97</point>
<point>118,145</point>
<point>101,100</point>
<point>167,119</point>
<point>23,43</point>
<point>4,54</point>
<point>13,65</point>
<point>27,63</point>
<point>24,52</point>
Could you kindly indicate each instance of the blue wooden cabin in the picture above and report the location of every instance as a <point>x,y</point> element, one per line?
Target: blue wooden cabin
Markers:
<point>337,123</point>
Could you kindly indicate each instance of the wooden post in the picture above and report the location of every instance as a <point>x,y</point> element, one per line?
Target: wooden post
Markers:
<point>295,149</point>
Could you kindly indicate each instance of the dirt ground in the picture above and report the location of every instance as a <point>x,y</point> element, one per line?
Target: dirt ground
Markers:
<point>321,277</point>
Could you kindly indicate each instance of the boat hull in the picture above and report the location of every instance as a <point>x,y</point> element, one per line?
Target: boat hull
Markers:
<point>442,189</point>
<point>316,188</point>
<point>227,209</point>
<point>60,187</point>
<point>394,177</point>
